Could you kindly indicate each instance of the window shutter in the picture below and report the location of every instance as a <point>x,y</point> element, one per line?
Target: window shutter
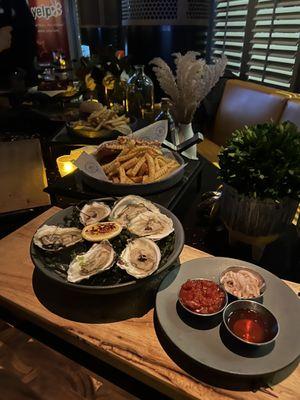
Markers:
<point>229,31</point>
<point>275,43</point>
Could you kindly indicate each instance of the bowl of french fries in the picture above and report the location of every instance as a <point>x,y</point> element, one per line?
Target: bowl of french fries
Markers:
<point>100,124</point>
<point>135,166</point>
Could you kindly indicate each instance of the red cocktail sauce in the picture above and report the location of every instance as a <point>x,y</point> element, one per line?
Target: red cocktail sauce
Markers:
<point>202,296</point>
<point>249,325</point>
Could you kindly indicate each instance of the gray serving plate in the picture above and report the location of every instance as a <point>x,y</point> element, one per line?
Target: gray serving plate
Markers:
<point>122,189</point>
<point>39,259</point>
<point>209,346</point>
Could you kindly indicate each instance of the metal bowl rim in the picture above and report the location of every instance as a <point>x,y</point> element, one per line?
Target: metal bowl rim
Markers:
<point>245,341</point>
<point>262,289</point>
<point>142,185</point>
<point>204,315</point>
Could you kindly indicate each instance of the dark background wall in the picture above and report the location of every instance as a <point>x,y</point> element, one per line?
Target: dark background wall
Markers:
<point>146,28</point>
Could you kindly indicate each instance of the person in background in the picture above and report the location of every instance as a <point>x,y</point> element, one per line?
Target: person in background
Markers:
<point>5,43</point>
<point>18,58</point>
<point>5,38</point>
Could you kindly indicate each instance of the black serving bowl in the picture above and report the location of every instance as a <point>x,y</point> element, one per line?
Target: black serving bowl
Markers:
<point>202,315</point>
<point>140,189</point>
<point>259,277</point>
<point>43,260</point>
<point>269,320</point>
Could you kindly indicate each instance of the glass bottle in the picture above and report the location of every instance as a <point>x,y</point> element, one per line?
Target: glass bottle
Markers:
<point>139,93</point>
<point>165,114</point>
<point>119,95</point>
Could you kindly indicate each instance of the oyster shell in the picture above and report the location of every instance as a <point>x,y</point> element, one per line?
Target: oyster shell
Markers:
<point>151,225</point>
<point>98,258</point>
<point>140,258</point>
<point>94,212</point>
<point>129,207</point>
<point>55,238</point>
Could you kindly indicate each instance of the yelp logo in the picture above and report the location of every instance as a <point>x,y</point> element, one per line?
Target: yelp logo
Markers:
<point>54,9</point>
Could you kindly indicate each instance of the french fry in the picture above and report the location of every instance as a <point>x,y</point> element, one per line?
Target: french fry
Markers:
<point>115,179</point>
<point>157,166</point>
<point>112,167</point>
<point>138,166</point>
<point>154,152</point>
<point>148,148</point>
<point>160,162</point>
<point>162,159</point>
<point>173,164</point>
<point>129,172</point>
<point>125,151</point>
<point>151,166</point>
<point>130,163</point>
<point>106,167</point>
<point>115,147</point>
<point>128,156</point>
<point>137,179</point>
<point>122,175</point>
<point>145,179</point>
<point>115,168</point>
<point>170,170</point>
<point>128,180</point>
<point>162,171</point>
<point>144,169</point>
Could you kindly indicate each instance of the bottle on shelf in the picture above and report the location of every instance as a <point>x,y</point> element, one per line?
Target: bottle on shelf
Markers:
<point>139,93</point>
<point>166,115</point>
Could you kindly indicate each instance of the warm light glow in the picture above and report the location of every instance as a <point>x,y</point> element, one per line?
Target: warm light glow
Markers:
<point>65,165</point>
<point>68,167</point>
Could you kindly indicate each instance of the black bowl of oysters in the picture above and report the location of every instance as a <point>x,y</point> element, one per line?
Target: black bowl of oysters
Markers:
<point>108,245</point>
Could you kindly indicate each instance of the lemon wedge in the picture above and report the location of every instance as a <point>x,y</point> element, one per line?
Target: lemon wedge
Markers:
<point>101,231</point>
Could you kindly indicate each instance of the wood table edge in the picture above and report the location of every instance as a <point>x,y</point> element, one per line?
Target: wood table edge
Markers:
<point>149,378</point>
<point>112,359</point>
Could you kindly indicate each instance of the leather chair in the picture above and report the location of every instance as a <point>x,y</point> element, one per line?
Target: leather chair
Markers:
<point>291,111</point>
<point>246,103</point>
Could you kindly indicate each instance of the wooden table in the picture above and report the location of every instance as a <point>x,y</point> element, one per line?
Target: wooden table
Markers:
<point>32,370</point>
<point>131,345</point>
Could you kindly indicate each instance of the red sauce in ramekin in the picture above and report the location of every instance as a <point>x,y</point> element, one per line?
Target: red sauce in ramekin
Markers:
<point>202,296</point>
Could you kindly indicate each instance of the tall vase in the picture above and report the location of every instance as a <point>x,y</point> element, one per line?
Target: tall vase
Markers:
<point>183,133</point>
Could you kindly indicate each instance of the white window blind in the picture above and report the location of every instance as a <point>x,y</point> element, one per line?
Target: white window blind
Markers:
<point>275,43</point>
<point>229,31</point>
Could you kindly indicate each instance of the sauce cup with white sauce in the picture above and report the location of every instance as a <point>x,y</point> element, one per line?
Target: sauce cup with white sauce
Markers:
<point>262,284</point>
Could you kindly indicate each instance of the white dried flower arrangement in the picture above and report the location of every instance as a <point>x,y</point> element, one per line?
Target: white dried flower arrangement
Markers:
<point>193,81</point>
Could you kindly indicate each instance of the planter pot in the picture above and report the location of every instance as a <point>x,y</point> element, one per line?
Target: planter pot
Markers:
<point>183,133</point>
<point>297,218</point>
<point>253,221</point>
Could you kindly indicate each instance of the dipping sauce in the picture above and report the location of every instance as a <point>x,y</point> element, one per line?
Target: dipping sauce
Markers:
<point>250,326</point>
<point>242,283</point>
<point>202,296</point>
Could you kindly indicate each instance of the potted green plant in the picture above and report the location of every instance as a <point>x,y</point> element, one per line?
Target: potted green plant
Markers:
<point>260,170</point>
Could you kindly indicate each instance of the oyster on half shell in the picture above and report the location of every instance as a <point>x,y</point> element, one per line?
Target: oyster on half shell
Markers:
<point>55,238</point>
<point>129,207</point>
<point>140,258</point>
<point>98,258</point>
<point>151,225</point>
<point>94,212</point>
